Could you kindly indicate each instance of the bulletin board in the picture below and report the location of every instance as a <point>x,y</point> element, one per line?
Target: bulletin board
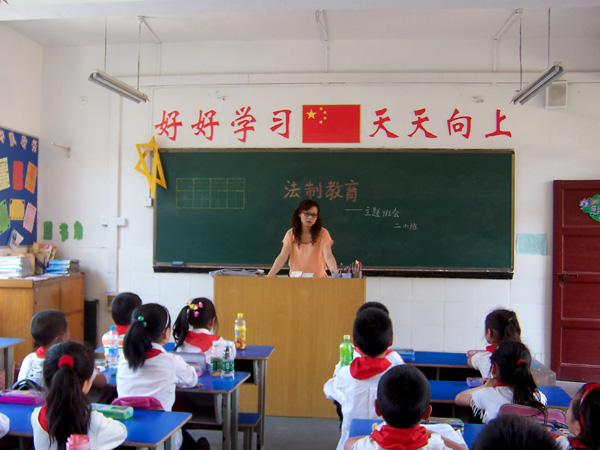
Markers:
<point>18,187</point>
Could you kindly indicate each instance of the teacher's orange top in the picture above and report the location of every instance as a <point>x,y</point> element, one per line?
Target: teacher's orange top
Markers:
<point>308,258</point>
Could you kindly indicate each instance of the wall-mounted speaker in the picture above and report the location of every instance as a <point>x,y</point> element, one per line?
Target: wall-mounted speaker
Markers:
<point>556,95</point>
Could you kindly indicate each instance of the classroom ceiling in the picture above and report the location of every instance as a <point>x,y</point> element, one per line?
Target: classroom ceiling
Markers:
<point>82,22</point>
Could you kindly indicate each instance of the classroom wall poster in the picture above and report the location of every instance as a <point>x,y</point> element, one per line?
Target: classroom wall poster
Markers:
<point>18,187</point>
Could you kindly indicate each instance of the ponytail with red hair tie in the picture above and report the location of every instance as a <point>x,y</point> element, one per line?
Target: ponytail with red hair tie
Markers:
<point>65,360</point>
<point>521,361</point>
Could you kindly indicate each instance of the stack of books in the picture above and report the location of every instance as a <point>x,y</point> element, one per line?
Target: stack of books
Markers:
<point>63,266</point>
<point>15,266</point>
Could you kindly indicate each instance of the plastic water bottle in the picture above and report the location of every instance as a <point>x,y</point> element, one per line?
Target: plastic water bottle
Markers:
<point>436,442</point>
<point>216,359</point>
<point>113,347</point>
<point>346,351</point>
<point>78,442</point>
<point>240,332</point>
<point>228,362</point>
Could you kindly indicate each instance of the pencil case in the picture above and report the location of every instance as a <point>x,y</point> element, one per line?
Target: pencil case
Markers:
<point>114,411</point>
<point>474,382</point>
<point>22,397</point>
<point>408,352</point>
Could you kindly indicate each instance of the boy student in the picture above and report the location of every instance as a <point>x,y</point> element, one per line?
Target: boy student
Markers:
<point>354,387</point>
<point>121,309</point>
<point>47,327</point>
<point>403,396</point>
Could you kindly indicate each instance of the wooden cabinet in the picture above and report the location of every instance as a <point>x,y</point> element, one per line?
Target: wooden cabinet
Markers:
<point>20,299</point>
<point>305,319</point>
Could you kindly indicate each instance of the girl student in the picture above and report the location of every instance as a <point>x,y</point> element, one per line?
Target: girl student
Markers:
<point>510,382</point>
<point>583,419</point>
<point>500,325</point>
<point>147,370</point>
<point>194,328</point>
<point>68,371</point>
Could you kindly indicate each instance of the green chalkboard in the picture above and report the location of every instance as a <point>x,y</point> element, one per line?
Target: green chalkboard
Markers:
<point>432,210</point>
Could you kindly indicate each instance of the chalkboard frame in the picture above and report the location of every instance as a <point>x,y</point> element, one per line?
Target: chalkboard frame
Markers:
<point>434,272</point>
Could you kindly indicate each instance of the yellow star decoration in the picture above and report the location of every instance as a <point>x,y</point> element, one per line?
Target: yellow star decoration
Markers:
<point>143,150</point>
<point>311,114</point>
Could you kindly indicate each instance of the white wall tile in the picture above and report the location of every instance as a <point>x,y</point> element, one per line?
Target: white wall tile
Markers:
<point>395,289</point>
<point>460,291</point>
<point>529,291</point>
<point>175,288</point>
<point>401,313</point>
<point>428,314</point>
<point>373,293</point>
<point>201,285</point>
<point>461,315</point>
<point>402,337</point>
<point>496,292</point>
<point>428,290</point>
<point>533,267</point>
<point>145,284</point>
<point>459,339</point>
<point>428,338</point>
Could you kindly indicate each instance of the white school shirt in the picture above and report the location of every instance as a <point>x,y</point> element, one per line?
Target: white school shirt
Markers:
<point>487,402</point>
<point>368,443</point>
<point>32,368</point>
<point>481,361</point>
<point>104,433</point>
<point>220,344</point>
<point>357,398</point>
<point>4,425</point>
<point>158,378</point>
<point>563,443</point>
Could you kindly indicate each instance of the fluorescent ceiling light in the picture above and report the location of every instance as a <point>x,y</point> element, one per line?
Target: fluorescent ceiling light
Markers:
<point>533,88</point>
<point>117,86</point>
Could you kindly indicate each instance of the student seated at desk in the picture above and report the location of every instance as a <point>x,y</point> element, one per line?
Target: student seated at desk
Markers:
<point>354,387</point>
<point>583,419</point>
<point>510,382</point>
<point>121,310</point>
<point>500,325</point>
<point>514,433</point>
<point>148,370</point>
<point>403,396</point>
<point>48,327</point>
<point>194,328</point>
<point>68,373</point>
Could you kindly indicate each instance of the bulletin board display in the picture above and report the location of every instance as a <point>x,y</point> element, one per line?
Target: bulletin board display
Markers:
<point>395,211</point>
<point>18,187</point>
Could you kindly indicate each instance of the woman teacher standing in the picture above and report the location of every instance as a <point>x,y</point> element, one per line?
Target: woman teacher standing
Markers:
<point>307,244</point>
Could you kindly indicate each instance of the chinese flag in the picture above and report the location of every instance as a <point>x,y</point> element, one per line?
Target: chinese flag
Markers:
<point>330,123</point>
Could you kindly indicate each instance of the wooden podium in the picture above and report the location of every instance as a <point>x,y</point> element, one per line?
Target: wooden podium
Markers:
<point>305,319</point>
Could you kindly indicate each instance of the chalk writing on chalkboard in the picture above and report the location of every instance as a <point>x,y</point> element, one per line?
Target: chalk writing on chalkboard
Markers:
<point>210,193</point>
<point>314,190</point>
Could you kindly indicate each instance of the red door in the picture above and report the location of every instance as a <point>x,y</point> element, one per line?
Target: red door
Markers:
<point>576,281</point>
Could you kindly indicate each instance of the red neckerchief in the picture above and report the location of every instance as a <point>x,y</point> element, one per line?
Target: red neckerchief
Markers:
<point>502,383</point>
<point>43,418</point>
<point>201,340</point>
<point>491,348</point>
<point>391,438</point>
<point>122,329</point>
<point>577,444</point>
<point>366,367</point>
<point>152,353</point>
<point>41,352</point>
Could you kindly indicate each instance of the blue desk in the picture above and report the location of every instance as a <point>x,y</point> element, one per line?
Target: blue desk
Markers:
<point>144,429</point>
<point>225,388</point>
<point>445,391</point>
<point>364,427</point>
<point>439,360</point>
<point>258,355</point>
<point>7,344</point>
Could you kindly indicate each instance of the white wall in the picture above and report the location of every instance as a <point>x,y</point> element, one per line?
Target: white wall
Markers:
<point>98,180</point>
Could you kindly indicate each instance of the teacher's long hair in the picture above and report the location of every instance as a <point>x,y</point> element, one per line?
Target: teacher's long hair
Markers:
<point>305,205</point>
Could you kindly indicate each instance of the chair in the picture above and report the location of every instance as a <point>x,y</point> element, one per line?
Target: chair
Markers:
<point>554,416</point>
<point>138,402</point>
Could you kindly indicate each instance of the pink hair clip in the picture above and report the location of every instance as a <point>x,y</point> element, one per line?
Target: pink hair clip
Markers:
<point>196,313</point>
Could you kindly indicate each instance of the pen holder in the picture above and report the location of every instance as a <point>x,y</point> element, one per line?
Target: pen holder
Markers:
<point>346,275</point>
